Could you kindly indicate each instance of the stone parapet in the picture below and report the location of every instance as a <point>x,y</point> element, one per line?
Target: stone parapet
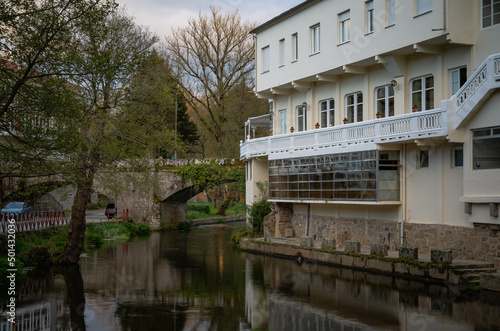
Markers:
<point>352,246</point>
<point>306,242</point>
<point>329,244</point>
<point>386,265</point>
<point>441,256</point>
<point>378,250</point>
<point>410,253</point>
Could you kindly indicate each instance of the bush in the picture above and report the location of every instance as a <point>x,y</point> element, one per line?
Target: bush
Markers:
<point>237,235</point>
<point>258,211</point>
<point>94,240</point>
<point>38,256</point>
<point>205,208</point>
<point>143,230</point>
<point>184,226</point>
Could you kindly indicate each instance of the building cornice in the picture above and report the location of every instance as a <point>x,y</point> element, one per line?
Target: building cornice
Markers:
<point>292,11</point>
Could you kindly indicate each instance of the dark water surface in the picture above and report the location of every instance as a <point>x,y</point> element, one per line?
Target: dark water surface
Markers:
<point>197,281</point>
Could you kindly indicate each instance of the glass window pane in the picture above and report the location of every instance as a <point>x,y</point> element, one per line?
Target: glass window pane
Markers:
<point>429,82</point>
<point>381,92</point>
<point>429,99</point>
<point>416,85</point>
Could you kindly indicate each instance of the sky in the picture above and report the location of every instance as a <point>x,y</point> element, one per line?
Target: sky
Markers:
<point>161,15</point>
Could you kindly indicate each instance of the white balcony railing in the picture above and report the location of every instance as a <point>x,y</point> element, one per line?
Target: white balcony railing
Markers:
<point>412,126</point>
<point>484,80</point>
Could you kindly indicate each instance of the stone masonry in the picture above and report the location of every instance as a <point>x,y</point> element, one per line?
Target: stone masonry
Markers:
<point>481,243</point>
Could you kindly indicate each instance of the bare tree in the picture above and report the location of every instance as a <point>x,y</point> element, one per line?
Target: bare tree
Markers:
<point>211,56</point>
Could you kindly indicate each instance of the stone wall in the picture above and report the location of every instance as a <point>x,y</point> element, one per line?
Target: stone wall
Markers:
<point>365,231</point>
<point>481,243</point>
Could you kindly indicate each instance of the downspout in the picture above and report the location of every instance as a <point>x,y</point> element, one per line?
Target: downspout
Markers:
<point>307,219</point>
<point>405,178</point>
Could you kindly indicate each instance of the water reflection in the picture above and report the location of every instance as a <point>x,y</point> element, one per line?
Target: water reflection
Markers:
<point>196,281</point>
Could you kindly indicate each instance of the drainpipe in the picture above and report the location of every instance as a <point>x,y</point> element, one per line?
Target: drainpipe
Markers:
<point>405,178</point>
<point>307,219</point>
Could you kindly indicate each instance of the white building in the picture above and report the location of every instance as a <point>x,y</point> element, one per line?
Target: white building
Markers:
<point>428,168</point>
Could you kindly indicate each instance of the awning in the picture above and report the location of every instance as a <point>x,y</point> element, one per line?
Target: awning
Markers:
<point>262,121</point>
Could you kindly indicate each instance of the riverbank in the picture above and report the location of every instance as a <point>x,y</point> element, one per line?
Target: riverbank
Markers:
<point>474,274</point>
<point>219,220</point>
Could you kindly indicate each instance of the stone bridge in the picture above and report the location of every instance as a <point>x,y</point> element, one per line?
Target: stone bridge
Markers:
<point>156,197</point>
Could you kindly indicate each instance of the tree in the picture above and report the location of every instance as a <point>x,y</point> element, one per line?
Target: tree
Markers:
<point>154,114</point>
<point>109,54</point>
<point>211,57</point>
<point>36,100</point>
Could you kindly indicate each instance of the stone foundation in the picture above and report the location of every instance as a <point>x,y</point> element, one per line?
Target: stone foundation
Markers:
<point>481,243</point>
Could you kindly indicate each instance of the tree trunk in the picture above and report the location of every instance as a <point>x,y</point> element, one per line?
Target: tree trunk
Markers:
<point>78,224</point>
<point>76,296</point>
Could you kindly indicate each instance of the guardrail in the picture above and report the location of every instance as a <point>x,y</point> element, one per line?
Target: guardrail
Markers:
<point>416,125</point>
<point>484,79</point>
<point>33,221</point>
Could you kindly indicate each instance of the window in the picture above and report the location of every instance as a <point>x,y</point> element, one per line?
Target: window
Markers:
<point>486,148</point>
<point>282,121</point>
<point>458,77</point>
<point>424,6</point>
<point>385,101</point>
<point>369,17</point>
<point>354,107</point>
<point>490,13</point>
<point>315,44</point>
<point>458,156</point>
<point>423,160</point>
<point>295,47</point>
<point>422,93</point>
<point>265,59</point>
<point>271,112</point>
<point>327,113</point>
<point>391,12</point>
<point>368,175</point>
<point>282,52</point>
<point>301,118</point>
<point>344,25</point>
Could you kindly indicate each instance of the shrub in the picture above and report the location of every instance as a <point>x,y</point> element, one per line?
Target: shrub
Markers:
<point>38,256</point>
<point>143,230</point>
<point>184,226</point>
<point>237,235</point>
<point>258,211</point>
<point>94,240</point>
<point>205,209</point>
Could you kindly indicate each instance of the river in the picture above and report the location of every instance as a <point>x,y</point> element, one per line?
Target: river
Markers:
<point>197,281</point>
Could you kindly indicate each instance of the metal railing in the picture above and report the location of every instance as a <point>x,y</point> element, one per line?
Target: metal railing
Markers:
<point>33,221</point>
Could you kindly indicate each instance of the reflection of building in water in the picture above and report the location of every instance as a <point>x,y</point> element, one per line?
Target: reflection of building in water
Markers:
<point>37,317</point>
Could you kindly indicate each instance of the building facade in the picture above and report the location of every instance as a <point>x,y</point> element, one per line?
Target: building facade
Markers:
<point>384,123</point>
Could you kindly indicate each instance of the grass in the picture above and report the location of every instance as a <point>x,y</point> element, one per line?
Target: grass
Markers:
<point>198,210</point>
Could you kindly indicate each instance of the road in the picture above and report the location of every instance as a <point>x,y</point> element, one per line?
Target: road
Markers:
<point>96,216</point>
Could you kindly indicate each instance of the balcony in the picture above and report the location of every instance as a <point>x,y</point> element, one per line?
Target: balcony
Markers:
<point>349,137</point>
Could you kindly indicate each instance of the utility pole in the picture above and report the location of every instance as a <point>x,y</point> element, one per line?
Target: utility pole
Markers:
<point>175,151</point>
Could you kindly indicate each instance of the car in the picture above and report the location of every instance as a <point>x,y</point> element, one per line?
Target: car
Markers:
<point>110,210</point>
<point>17,208</point>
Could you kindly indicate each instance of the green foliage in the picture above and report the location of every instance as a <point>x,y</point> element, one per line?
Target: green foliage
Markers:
<point>237,235</point>
<point>93,240</point>
<point>117,230</point>
<point>184,226</point>
<point>143,230</point>
<point>197,210</point>
<point>36,248</point>
<point>260,208</point>
<point>258,211</point>
<point>201,208</point>
<point>38,256</point>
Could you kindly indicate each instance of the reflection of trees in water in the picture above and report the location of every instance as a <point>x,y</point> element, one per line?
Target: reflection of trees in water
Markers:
<point>76,296</point>
<point>151,317</point>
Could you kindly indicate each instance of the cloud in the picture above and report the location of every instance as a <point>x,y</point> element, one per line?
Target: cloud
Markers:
<point>161,15</point>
